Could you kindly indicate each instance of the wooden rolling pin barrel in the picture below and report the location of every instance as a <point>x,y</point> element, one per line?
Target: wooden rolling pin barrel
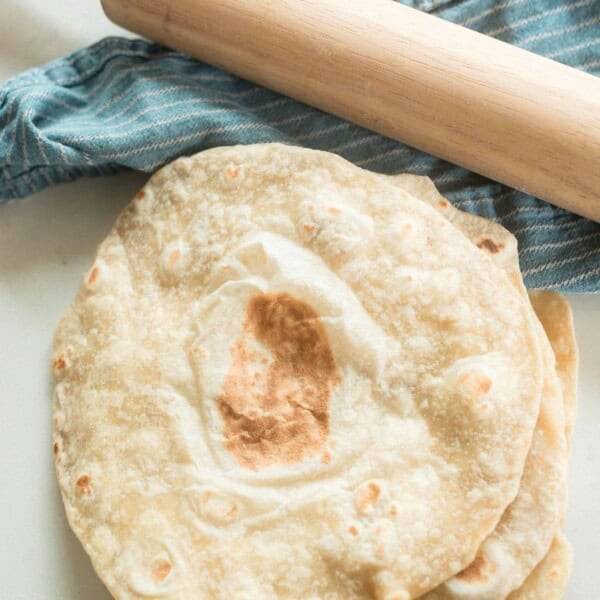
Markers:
<point>495,109</point>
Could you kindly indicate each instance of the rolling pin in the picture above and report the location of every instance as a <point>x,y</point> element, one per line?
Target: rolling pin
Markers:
<point>511,115</point>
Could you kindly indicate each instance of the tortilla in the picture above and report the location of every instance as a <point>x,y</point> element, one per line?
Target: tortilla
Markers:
<point>395,375</point>
<point>556,316</point>
<point>525,532</point>
<point>548,581</point>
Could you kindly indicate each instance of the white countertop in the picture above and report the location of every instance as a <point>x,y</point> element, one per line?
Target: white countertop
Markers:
<point>46,242</point>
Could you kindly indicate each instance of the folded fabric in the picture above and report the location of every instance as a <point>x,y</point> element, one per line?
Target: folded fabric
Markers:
<point>130,104</point>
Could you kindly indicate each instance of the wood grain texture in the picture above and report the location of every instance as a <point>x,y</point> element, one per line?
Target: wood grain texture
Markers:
<point>500,111</point>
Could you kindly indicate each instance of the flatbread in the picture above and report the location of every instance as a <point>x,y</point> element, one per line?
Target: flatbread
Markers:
<point>556,316</point>
<point>397,380</point>
<point>549,579</point>
<point>525,532</point>
<point>551,308</point>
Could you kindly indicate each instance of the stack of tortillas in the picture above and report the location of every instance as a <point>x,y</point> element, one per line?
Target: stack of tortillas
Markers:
<point>288,377</point>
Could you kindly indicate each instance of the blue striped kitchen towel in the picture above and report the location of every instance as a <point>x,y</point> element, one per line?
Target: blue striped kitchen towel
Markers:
<point>129,104</point>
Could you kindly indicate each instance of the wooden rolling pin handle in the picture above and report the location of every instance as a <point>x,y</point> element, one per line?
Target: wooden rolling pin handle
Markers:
<point>511,115</point>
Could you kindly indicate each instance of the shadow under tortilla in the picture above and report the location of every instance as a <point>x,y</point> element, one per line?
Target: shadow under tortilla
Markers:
<point>77,575</point>
<point>77,572</point>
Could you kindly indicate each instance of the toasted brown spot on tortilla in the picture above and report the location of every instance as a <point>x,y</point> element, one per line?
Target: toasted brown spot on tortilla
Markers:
<point>353,530</point>
<point>93,276</point>
<point>474,383</point>
<point>160,570</point>
<point>233,171</point>
<point>55,448</point>
<point>83,485</point>
<point>284,417</point>
<point>393,511</point>
<point>140,195</point>
<point>173,258</point>
<point>366,496</point>
<point>489,245</point>
<point>326,457</point>
<point>335,212</point>
<point>443,203</point>
<point>59,362</point>
<point>485,385</point>
<point>476,571</point>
